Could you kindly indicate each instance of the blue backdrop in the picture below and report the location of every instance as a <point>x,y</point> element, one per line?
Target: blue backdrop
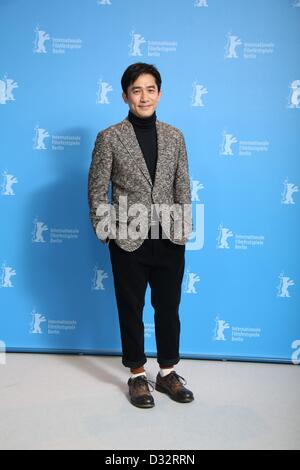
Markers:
<point>231,83</point>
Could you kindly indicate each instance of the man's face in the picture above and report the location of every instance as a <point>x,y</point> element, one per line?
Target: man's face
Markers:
<point>143,96</point>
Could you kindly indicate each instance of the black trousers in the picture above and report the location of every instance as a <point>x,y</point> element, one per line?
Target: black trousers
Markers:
<point>161,263</point>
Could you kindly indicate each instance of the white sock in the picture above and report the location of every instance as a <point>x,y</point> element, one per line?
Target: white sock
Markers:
<point>133,376</point>
<point>164,372</point>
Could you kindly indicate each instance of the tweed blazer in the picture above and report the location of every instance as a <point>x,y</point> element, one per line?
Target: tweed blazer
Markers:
<point>118,158</point>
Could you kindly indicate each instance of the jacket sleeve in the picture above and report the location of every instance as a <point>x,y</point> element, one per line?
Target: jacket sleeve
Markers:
<point>182,185</point>
<point>98,183</point>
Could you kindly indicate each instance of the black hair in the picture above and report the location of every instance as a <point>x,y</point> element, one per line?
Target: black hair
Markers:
<point>133,72</point>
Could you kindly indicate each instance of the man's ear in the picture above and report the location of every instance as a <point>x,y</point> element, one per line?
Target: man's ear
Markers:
<point>124,97</point>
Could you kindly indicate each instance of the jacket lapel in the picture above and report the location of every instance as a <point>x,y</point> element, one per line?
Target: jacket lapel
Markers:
<point>127,135</point>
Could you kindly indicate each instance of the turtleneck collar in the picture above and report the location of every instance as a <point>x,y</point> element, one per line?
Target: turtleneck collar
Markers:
<point>143,123</point>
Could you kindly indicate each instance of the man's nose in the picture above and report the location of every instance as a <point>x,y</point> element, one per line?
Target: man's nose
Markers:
<point>144,96</point>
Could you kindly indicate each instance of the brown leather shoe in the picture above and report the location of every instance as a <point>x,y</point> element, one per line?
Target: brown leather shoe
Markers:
<point>139,392</point>
<point>173,386</point>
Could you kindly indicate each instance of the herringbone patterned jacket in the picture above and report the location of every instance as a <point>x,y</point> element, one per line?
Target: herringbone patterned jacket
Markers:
<point>117,158</point>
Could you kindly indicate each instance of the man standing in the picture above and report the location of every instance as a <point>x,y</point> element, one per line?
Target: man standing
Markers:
<point>146,161</point>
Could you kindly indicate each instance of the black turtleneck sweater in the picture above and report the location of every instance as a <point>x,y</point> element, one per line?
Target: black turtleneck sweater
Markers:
<point>145,131</point>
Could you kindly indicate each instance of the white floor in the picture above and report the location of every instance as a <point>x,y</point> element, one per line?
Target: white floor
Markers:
<point>81,402</point>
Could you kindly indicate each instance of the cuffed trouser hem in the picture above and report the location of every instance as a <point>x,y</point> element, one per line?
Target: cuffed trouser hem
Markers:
<point>132,364</point>
<point>168,362</point>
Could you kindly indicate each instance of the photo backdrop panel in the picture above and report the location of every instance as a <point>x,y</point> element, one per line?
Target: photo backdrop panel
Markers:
<point>231,84</point>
